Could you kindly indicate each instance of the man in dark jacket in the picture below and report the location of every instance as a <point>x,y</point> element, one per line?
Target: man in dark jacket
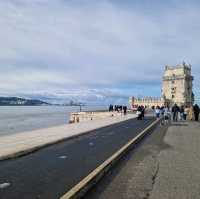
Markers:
<point>142,111</point>
<point>139,113</point>
<point>125,109</point>
<point>196,112</point>
<point>175,110</point>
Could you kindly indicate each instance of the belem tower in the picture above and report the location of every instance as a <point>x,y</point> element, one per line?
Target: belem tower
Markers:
<point>177,86</point>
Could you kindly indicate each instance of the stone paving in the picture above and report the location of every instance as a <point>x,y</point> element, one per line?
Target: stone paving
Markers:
<point>178,174</point>
<point>166,165</point>
<point>21,143</point>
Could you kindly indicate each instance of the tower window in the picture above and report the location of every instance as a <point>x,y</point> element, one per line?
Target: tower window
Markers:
<point>173,96</point>
<point>173,90</point>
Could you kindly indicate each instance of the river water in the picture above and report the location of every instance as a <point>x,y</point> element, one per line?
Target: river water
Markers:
<point>15,119</point>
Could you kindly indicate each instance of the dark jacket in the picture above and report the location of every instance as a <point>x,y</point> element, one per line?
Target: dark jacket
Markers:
<point>196,109</point>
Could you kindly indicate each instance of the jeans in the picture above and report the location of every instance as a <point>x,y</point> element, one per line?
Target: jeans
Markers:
<point>175,116</point>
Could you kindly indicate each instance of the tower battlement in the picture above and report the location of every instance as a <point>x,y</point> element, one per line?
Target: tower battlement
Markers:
<point>179,66</point>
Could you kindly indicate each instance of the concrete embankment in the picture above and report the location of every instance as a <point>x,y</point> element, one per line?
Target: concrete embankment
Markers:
<point>26,142</point>
<point>95,115</point>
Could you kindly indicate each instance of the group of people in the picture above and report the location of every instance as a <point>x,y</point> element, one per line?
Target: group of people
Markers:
<point>178,112</point>
<point>185,112</point>
<point>163,111</point>
<point>140,112</point>
<point>118,108</point>
<point>175,112</point>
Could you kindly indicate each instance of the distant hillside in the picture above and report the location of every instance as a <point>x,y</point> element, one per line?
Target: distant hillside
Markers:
<point>16,101</point>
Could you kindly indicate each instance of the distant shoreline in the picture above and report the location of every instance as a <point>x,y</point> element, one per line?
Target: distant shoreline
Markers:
<point>44,105</point>
<point>18,101</point>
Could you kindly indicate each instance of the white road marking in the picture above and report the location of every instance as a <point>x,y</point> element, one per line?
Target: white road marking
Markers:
<point>63,157</point>
<point>91,144</point>
<point>4,185</point>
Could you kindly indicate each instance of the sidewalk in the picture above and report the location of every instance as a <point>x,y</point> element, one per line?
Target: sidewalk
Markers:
<point>178,175</point>
<point>22,143</point>
<point>166,165</point>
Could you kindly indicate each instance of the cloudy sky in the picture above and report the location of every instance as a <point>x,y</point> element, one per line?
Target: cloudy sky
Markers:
<point>95,50</point>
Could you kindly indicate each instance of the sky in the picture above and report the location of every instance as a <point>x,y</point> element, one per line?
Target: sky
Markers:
<point>95,51</point>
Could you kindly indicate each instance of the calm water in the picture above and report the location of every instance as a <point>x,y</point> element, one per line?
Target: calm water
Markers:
<point>15,119</point>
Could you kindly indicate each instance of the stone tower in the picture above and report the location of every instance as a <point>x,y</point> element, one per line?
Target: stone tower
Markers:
<point>177,85</point>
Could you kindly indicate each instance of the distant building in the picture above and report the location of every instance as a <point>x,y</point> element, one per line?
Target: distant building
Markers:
<point>146,102</point>
<point>177,88</point>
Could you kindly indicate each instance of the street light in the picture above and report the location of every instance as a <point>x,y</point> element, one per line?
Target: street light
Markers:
<point>80,105</point>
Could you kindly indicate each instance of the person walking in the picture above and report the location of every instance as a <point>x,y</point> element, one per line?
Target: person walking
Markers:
<point>175,111</point>
<point>143,111</point>
<point>191,116</point>
<point>157,112</point>
<point>162,110</point>
<point>139,113</point>
<point>196,112</point>
<point>125,109</point>
<point>182,113</point>
<point>166,115</point>
<point>111,108</point>
<point>186,112</point>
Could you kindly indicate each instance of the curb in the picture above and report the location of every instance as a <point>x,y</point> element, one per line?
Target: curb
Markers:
<point>84,185</point>
<point>36,148</point>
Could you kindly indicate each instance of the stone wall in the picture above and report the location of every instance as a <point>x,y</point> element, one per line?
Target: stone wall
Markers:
<point>85,116</point>
<point>146,101</point>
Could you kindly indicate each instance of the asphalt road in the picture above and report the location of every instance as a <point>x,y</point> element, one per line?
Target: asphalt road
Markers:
<point>135,175</point>
<point>52,171</point>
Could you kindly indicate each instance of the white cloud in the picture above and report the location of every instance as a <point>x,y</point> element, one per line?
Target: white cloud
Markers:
<point>66,45</point>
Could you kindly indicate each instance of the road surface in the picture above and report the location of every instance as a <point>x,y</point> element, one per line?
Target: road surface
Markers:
<point>52,171</point>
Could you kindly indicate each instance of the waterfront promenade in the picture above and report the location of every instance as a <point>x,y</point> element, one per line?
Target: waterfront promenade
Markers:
<point>22,143</point>
<point>178,174</point>
<point>54,170</point>
<point>164,166</point>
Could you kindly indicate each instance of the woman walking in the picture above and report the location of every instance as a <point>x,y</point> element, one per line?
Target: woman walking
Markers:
<point>186,112</point>
<point>191,113</point>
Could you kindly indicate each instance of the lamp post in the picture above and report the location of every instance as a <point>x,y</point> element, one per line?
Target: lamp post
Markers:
<point>80,105</point>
